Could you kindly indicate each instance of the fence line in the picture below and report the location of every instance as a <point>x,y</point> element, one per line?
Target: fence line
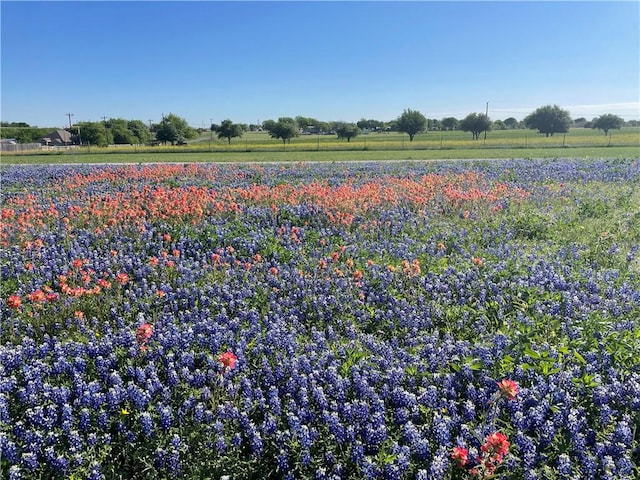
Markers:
<point>19,147</point>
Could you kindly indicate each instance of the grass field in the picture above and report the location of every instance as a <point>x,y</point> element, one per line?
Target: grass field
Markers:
<point>258,146</point>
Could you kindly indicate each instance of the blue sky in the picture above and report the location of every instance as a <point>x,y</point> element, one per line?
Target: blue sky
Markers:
<point>253,61</point>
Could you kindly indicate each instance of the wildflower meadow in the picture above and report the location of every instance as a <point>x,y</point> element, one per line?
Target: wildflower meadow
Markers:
<point>389,320</point>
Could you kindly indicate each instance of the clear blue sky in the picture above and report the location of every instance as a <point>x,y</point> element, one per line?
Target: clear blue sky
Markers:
<point>253,61</point>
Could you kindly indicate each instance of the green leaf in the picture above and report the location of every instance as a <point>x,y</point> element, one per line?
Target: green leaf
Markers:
<point>579,357</point>
<point>532,353</point>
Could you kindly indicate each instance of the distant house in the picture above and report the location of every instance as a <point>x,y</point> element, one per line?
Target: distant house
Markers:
<point>58,138</point>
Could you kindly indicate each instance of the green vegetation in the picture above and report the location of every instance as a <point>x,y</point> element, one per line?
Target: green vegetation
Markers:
<point>549,119</point>
<point>187,154</point>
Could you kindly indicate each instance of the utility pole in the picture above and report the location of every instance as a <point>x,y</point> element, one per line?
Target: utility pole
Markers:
<point>69,115</point>
<point>486,115</point>
<point>210,132</point>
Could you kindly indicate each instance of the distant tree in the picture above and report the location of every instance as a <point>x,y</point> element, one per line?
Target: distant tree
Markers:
<point>182,129</point>
<point>450,123</point>
<point>392,126</point>
<point>139,130</point>
<point>608,122</point>
<point>476,123</point>
<point>323,126</point>
<point>268,125</point>
<point>369,124</point>
<point>433,124</point>
<point>15,124</point>
<point>511,123</point>
<point>22,132</point>
<point>304,122</point>
<point>411,122</point>
<point>633,123</point>
<point>580,122</point>
<point>549,119</point>
<point>119,129</point>
<point>348,131</point>
<point>227,129</point>
<point>167,132</point>
<point>285,129</point>
<point>94,133</point>
<point>363,124</point>
<point>498,125</point>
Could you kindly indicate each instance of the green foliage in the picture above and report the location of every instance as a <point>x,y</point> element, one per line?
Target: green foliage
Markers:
<point>94,133</point>
<point>411,122</point>
<point>348,131</point>
<point>476,123</point>
<point>607,122</point>
<point>450,123</point>
<point>593,208</point>
<point>285,128</point>
<point>173,128</point>
<point>22,132</point>
<point>139,130</point>
<point>227,129</point>
<point>549,119</point>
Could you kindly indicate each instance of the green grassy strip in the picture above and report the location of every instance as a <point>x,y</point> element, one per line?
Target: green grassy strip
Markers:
<point>321,156</point>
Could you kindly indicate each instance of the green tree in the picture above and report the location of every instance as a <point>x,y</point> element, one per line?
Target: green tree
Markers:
<point>608,122</point>
<point>94,133</point>
<point>139,130</point>
<point>22,132</point>
<point>167,132</point>
<point>268,125</point>
<point>411,122</point>
<point>119,130</point>
<point>285,129</point>
<point>347,130</point>
<point>511,123</point>
<point>498,125</point>
<point>369,124</point>
<point>227,129</point>
<point>450,123</point>
<point>304,122</point>
<point>549,119</point>
<point>433,124</point>
<point>182,129</point>
<point>476,123</point>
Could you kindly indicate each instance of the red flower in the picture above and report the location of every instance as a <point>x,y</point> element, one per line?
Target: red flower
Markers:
<point>228,360</point>
<point>477,261</point>
<point>496,446</point>
<point>14,302</point>
<point>144,333</point>
<point>122,278</point>
<point>508,388</point>
<point>460,455</point>
<point>37,297</point>
<point>51,297</point>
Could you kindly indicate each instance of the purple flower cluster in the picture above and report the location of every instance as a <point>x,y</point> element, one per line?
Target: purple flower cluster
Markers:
<point>364,349</point>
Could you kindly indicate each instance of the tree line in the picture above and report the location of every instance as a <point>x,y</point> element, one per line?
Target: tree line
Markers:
<point>548,120</point>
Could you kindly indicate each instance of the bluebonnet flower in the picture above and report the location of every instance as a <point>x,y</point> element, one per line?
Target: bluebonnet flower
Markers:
<point>15,473</point>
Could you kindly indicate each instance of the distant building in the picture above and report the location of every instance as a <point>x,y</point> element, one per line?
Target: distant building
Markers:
<point>58,138</point>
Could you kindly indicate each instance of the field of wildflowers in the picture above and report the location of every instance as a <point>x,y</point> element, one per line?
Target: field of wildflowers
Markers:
<point>443,320</point>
